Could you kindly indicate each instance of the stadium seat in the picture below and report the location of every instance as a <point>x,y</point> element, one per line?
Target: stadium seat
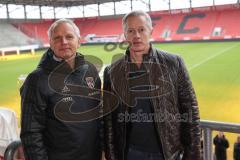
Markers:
<point>194,25</point>
<point>14,151</point>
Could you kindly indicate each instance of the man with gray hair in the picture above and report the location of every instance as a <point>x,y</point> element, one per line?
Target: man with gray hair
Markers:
<point>55,98</point>
<point>156,117</point>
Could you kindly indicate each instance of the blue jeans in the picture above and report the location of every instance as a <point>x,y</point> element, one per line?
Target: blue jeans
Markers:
<point>134,154</point>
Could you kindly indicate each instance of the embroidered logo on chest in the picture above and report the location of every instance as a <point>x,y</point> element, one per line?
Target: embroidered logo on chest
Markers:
<point>90,82</point>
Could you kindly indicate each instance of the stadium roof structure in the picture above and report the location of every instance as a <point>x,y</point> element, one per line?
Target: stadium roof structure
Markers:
<point>56,3</point>
<point>53,9</point>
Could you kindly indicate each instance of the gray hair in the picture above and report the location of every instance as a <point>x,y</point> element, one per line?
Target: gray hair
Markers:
<point>60,21</point>
<point>136,14</point>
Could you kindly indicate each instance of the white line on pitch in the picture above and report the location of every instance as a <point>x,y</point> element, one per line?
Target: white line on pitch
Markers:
<point>211,57</point>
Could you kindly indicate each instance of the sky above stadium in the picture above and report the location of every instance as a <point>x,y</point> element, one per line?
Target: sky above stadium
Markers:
<point>17,11</point>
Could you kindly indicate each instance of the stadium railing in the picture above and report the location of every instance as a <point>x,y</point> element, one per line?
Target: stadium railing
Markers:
<point>206,126</point>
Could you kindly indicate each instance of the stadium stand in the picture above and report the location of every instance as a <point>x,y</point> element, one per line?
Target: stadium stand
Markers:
<point>99,26</point>
<point>229,22</point>
<point>206,23</point>
<point>212,23</point>
<point>100,30</point>
<point>13,37</point>
<point>37,30</point>
<point>194,26</point>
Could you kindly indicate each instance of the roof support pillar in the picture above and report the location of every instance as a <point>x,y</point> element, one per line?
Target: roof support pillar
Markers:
<point>131,5</point>
<point>8,16</point>
<point>149,6</point>
<point>25,11</point>
<point>114,7</point>
<point>83,11</point>
<point>54,12</point>
<point>40,11</point>
<point>98,8</point>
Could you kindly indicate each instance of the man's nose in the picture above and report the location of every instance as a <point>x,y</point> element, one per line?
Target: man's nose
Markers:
<point>137,34</point>
<point>64,40</point>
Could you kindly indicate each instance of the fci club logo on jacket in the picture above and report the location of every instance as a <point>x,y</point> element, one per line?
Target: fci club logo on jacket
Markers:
<point>90,82</point>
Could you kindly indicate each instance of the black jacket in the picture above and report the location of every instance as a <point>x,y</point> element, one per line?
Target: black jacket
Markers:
<point>174,104</point>
<point>55,124</point>
<point>221,145</point>
<point>236,152</point>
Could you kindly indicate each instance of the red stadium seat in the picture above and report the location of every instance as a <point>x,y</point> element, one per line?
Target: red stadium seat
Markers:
<point>195,25</point>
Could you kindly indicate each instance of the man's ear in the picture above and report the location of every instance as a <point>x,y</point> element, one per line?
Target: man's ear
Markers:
<point>79,41</point>
<point>125,35</point>
<point>50,43</point>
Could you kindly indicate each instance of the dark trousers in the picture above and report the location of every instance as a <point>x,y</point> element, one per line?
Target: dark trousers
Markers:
<point>134,154</point>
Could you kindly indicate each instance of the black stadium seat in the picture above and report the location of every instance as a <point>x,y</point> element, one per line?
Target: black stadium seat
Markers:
<point>14,151</point>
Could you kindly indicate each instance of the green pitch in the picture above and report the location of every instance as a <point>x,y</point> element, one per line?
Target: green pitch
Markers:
<point>214,70</point>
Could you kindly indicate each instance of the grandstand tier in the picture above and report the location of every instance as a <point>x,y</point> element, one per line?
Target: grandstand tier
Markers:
<point>220,22</point>
<point>10,36</point>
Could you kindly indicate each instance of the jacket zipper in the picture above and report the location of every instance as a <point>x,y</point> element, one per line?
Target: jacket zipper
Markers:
<point>158,133</point>
<point>124,138</point>
<point>125,124</point>
<point>154,109</point>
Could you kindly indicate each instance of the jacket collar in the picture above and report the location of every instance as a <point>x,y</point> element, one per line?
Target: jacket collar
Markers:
<point>149,57</point>
<point>49,63</point>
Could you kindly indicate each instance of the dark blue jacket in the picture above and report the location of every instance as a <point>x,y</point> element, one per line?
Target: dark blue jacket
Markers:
<point>221,145</point>
<point>60,111</point>
<point>236,152</point>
